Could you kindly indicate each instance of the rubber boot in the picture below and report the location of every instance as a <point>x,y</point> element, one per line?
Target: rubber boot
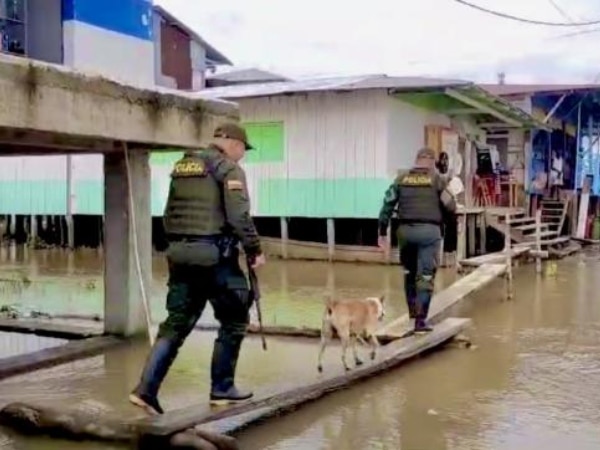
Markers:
<point>224,362</point>
<point>159,361</point>
<point>423,302</point>
<point>410,292</point>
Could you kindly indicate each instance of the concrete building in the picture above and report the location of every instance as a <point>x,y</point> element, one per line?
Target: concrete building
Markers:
<point>132,41</point>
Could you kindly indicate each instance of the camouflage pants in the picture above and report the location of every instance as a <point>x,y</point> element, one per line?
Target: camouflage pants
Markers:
<point>191,286</point>
<point>419,246</point>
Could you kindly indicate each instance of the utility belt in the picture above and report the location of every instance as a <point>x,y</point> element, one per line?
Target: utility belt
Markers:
<point>201,250</point>
<point>419,222</point>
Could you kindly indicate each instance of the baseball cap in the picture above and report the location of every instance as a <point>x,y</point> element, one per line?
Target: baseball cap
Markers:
<point>230,130</point>
<point>425,153</point>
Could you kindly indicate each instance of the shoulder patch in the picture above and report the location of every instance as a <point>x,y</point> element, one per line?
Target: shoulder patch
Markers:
<point>235,185</point>
<point>188,168</point>
<point>416,179</point>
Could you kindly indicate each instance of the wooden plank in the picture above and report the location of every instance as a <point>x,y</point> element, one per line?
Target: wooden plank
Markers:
<point>493,258</point>
<point>586,241</point>
<point>532,227</point>
<point>446,299</point>
<point>390,357</point>
<point>50,357</point>
<point>48,329</point>
<point>285,331</point>
<point>558,240</point>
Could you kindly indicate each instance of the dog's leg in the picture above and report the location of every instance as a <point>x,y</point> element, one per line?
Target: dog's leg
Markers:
<point>357,360</point>
<point>374,346</point>
<point>326,333</point>
<point>345,338</point>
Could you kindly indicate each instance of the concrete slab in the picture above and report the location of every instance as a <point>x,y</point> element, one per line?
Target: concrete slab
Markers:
<point>50,109</point>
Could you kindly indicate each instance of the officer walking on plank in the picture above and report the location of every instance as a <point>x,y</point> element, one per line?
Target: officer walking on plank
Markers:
<point>206,215</point>
<point>422,199</point>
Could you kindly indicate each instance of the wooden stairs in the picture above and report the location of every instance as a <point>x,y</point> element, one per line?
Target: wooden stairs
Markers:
<point>523,227</point>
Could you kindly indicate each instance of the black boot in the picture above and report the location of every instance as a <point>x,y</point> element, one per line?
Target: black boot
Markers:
<point>224,361</point>
<point>159,361</point>
<point>422,310</point>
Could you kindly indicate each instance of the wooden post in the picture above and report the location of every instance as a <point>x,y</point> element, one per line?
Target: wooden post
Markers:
<point>330,239</point>
<point>482,233</point>
<point>388,249</point>
<point>123,298</point>
<point>471,219</point>
<point>538,241</point>
<point>508,252</point>
<point>33,229</point>
<point>69,216</point>
<point>283,222</point>
<point>461,244</point>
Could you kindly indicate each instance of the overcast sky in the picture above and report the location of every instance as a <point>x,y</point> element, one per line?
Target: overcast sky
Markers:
<point>400,37</point>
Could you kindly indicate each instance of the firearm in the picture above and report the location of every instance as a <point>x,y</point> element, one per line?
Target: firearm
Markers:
<point>255,296</point>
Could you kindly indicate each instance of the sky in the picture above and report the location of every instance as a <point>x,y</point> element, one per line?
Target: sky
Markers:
<point>401,37</point>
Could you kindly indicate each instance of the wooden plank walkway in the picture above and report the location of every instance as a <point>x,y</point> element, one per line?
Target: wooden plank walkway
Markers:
<point>494,258</point>
<point>450,296</point>
<point>54,356</point>
<point>389,356</point>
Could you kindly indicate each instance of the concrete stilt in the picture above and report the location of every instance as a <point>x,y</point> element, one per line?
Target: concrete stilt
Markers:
<point>123,303</point>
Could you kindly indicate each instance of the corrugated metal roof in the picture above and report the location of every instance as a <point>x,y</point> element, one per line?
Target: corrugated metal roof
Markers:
<point>348,83</point>
<point>519,89</point>
<point>252,74</point>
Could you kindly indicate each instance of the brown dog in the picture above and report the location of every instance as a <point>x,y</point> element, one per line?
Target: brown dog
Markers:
<point>351,319</point>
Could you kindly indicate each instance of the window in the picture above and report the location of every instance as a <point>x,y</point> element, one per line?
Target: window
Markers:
<point>12,26</point>
<point>268,140</point>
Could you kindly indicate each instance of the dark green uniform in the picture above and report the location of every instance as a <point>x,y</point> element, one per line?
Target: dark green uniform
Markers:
<point>418,195</point>
<point>207,214</point>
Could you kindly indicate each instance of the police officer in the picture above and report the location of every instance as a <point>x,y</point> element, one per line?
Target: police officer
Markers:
<point>206,215</point>
<point>422,198</point>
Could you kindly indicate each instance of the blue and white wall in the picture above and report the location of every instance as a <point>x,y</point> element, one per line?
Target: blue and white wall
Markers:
<point>112,37</point>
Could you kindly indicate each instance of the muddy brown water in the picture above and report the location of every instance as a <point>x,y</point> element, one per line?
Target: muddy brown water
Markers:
<point>530,383</point>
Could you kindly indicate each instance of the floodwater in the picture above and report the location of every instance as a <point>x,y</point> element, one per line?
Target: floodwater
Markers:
<point>530,383</point>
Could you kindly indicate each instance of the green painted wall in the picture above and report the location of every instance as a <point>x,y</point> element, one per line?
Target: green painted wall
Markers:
<point>268,140</point>
<point>43,196</point>
<point>341,198</point>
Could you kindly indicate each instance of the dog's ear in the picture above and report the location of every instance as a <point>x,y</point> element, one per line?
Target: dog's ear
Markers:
<point>382,298</point>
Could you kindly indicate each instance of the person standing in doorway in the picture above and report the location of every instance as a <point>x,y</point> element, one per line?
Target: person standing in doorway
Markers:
<point>421,196</point>
<point>207,214</point>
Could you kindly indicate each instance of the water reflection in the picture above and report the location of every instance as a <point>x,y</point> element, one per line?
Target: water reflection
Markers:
<point>530,383</point>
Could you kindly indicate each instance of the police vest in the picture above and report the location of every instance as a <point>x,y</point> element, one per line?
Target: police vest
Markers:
<point>419,197</point>
<point>194,206</point>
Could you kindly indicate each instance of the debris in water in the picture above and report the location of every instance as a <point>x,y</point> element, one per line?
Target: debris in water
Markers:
<point>433,412</point>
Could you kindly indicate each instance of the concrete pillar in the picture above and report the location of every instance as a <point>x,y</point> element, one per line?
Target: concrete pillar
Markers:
<point>123,303</point>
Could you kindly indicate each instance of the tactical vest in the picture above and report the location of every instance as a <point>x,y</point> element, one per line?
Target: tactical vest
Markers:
<point>194,206</point>
<point>418,197</point>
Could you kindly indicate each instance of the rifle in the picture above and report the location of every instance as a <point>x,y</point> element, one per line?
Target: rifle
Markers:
<point>255,296</point>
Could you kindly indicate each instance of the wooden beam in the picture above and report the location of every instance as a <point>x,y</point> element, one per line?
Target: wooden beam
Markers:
<point>50,357</point>
<point>48,329</point>
<point>480,106</point>
<point>443,301</point>
<point>391,356</point>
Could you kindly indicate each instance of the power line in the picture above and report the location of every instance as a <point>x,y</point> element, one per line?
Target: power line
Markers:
<point>561,11</point>
<point>525,20</point>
